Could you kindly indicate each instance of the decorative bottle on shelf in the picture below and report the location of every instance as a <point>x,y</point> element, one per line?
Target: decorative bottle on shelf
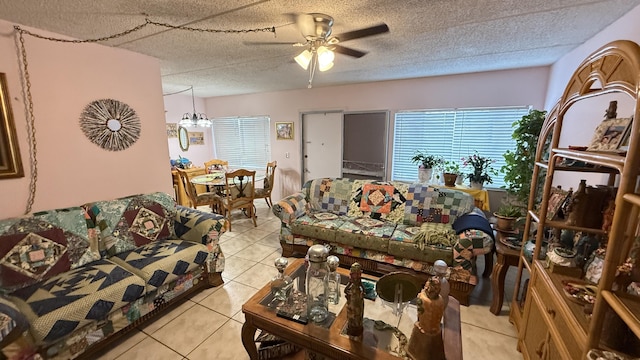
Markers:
<point>317,284</point>
<point>441,268</point>
<point>578,205</point>
<point>354,293</point>
<point>281,284</point>
<point>334,279</point>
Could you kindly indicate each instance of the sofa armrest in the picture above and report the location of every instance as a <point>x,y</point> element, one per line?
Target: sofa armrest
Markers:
<point>290,207</point>
<point>204,228</point>
<point>12,322</point>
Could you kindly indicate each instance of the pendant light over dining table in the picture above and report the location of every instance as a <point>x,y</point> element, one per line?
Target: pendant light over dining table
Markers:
<point>194,119</point>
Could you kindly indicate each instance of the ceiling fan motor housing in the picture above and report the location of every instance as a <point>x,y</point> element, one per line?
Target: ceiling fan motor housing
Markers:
<point>322,27</point>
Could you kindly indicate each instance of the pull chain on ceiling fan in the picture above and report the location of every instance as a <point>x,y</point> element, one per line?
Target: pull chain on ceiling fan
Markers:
<point>321,46</point>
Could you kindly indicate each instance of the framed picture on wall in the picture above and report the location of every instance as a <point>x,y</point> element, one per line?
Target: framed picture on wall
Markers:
<point>172,130</point>
<point>10,160</point>
<point>284,131</point>
<point>608,135</point>
<point>196,138</point>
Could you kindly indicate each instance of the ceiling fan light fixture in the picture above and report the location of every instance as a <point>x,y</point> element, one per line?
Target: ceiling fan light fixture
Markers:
<point>304,58</point>
<point>325,58</point>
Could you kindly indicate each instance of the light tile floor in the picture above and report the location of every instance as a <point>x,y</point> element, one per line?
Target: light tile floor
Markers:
<point>207,326</point>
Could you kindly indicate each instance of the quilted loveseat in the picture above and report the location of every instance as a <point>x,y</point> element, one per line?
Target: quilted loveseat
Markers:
<point>73,279</point>
<point>388,226</point>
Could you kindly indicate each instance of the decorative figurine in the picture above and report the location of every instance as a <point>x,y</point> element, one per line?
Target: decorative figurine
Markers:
<point>334,279</point>
<point>426,342</point>
<point>441,269</point>
<point>317,284</point>
<point>354,293</point>
<point>281,284</point>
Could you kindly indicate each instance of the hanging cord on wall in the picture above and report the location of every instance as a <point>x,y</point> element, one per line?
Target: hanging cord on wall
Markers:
<point>31,128</point>
<point>31,121</point>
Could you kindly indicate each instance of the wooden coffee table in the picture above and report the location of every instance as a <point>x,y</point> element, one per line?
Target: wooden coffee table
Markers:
<point>330,341</point>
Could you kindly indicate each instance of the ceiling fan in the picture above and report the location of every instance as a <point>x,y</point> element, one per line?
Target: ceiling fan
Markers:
<point>321,45</point>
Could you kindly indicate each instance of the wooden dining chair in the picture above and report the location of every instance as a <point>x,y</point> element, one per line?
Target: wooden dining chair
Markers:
<point>265,191</point>
<point>239,194</point>
<point>216,164</point>
<point>199,198</point>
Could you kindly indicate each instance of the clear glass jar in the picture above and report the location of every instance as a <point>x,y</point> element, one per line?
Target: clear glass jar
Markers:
<point>281,284</point>
<point>317,284</point>
<point>441,269</point>
<point>334,279</point>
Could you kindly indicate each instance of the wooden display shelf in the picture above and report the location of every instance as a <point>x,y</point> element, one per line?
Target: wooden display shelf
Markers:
<point>586,169</point>
<point>575,308</point>
<point>632,198</point>
<point>627,307</point>
<point>610,160</point>
<point>563,225</point>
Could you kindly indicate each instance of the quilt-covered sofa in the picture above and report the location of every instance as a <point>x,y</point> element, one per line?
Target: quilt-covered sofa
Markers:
<point>73,279</point>
<point>388,226</point>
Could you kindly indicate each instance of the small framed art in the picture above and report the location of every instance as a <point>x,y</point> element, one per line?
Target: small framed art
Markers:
<point>284,131</point>
<point>556,200</point>
<point>609,135</point>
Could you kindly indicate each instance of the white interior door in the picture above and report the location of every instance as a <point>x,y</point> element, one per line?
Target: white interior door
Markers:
<point>321,145</point>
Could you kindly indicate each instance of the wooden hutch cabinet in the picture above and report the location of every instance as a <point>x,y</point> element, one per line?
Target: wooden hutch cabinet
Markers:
<point>550,325</point>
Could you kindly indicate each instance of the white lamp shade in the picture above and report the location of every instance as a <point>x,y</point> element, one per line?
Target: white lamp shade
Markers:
<point>303,59</point>
<point>325,58</point>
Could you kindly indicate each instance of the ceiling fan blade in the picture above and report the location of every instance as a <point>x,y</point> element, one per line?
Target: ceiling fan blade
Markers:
<point>348,51</point>
<point>272,43</point>
<point>370,31</point>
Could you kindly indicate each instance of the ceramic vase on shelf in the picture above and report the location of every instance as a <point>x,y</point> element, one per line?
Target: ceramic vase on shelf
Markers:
<point>476,185</point>
<point>424,175</point>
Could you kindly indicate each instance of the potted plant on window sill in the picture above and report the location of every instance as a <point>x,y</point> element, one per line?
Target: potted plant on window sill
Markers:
<point>450,171</point>
<point>426,163</point>
<point>481,170</point>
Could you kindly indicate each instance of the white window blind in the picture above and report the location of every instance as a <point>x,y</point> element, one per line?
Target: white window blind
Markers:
<point>243,141</point>
<point>453,134</point>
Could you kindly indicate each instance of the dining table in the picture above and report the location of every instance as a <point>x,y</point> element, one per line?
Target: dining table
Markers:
<point>216,179</point>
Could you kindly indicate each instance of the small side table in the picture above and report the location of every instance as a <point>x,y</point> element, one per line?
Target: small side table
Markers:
<point>506,257</point>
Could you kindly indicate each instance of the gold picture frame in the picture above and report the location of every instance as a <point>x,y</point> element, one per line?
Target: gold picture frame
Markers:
<point>10,160</point>
<point>609,135</point>
<point>183,138</point>
<point>284,131</point>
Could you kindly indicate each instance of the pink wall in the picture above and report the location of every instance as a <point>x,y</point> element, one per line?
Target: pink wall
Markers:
<point>497,88</point>
<point>71,169</point>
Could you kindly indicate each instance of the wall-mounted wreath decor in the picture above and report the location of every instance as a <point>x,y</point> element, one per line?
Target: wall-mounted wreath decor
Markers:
<point>110,124</point>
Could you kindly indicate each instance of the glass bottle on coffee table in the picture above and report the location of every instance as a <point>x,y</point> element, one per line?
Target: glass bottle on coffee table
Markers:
<point>281,284</point>
<point>317,285</point>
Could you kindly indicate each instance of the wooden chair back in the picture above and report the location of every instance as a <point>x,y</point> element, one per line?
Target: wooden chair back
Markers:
<point>216,164</point>
<point>192,192</point>
<point>265,192</point>
<point>239,193</point>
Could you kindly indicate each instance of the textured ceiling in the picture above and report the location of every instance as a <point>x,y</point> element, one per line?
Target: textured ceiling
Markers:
<point>426,38</point>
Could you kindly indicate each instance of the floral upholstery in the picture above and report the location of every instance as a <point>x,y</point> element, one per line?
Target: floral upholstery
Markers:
<point>407,225</point>
<point>71,283</point>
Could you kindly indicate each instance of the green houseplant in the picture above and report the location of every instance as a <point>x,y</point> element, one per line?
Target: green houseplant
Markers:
<point>507,216</point>
<point>450,172</point>
<point>481,168</point>
<point>519,163</point>
<point>426,162</point>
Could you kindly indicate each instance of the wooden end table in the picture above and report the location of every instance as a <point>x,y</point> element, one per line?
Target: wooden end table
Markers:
<point>330,341</point>
<point>506,257</point>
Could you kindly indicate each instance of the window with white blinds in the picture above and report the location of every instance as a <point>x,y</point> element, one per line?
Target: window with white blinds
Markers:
<point>243,141</point>
<point>453,134</point>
